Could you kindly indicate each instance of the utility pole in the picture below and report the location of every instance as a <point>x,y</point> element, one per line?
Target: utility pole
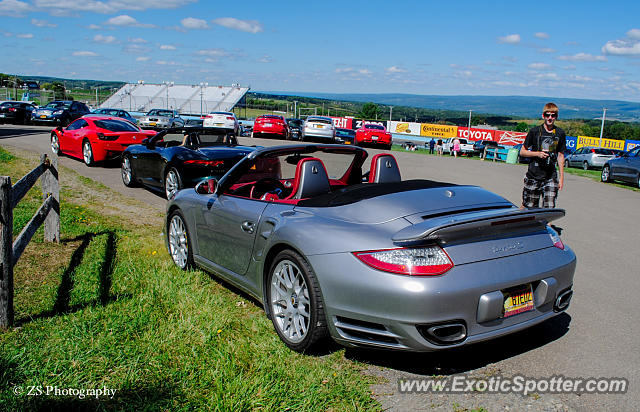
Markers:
<point>390,112</point>
<point>470,122</point>
<point>604,114</point>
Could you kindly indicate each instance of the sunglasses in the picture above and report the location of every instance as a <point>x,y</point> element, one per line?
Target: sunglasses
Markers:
<point>550,114</point>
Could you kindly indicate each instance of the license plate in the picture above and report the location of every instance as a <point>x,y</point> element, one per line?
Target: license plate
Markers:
<point>518,301</point>
<point>1,114</point>
<point>319,126</point>
<point>42,116</point>
<point>374,137</point>
<point>347,142</point>
<point>152,124</point>
<point>268,125</point>
<point>218,124</point>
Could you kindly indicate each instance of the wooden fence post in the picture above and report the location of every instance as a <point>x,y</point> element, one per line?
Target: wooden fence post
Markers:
<point>51,186</point>
<point>6,253</point>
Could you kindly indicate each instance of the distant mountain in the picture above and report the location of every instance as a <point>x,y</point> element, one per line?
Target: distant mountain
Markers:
<point>520,106</point>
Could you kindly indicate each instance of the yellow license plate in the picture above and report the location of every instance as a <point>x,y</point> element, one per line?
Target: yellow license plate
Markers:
<point>152,124</point>
<point>347,142</point>
<point>42,116</point>
<point>319,126</point>
<point>518,301</point>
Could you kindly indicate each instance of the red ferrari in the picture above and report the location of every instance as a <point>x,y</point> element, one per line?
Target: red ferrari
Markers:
<point>270,124</point>
<point>96,138</point>
<point>374,134</point>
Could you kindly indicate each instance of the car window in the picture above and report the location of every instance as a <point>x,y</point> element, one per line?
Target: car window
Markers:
<point>58,105</point>
<point>374,127</point>
<point>115,125</point>
<point>78,124</point>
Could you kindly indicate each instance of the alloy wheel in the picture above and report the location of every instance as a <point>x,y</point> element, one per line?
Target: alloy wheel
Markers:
<point>126,171</point>
<point>290,304</point>
<point>171,183</point>
<point>178,242</point>
<point>87,153</point>
<point>55,144</point>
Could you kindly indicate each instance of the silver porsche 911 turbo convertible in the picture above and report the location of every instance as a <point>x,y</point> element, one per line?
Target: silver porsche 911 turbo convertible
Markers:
<point>334,245</point>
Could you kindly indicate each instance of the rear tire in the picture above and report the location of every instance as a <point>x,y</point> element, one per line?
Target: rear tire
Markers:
<point>87,153</point>
<point>295,302</point>
<point>179,241</point>
<point>605,176</point>
<point>585,166</point>
<point>55,144</point>
<point>566,164</point>
<point>128,176</point>
<point>172,183</point>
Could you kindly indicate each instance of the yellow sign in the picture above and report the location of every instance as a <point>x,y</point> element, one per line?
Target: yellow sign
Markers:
<point>438,130</point>
<point>595,142</point>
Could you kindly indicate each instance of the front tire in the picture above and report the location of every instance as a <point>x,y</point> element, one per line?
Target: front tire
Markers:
<point>55,144</point>
<point>566,164</point>
<point>585,166</point>
<point>179,241</point>
<point>605,176</point>
<point>172,183</point>
<point>295,302</point>
<point>87,153</point>
<point>128,177</point>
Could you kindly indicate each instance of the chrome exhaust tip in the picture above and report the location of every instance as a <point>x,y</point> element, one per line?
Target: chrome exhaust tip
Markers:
<point>563,300</point>
<point>444,333</point>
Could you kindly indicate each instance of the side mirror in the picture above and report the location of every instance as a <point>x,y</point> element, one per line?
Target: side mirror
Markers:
<point>207,186</point>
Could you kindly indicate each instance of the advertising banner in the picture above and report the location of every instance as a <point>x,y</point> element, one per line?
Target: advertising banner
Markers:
<point>343,122</point>
<point>412,129</point>
<point>630,144</point>
<point>476,134</point>
<point>509,138</point>
<point>595,142</point>
<point>357,123</point>
<point>571,143</point>
<point>438,130</point>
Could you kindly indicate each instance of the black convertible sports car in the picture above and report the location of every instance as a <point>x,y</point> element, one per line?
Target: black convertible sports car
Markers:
<point>177,158</point>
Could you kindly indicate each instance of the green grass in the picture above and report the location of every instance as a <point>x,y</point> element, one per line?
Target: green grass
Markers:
<point>107,308</point>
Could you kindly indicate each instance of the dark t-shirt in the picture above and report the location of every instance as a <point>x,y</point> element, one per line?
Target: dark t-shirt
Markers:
<point>539,139</point>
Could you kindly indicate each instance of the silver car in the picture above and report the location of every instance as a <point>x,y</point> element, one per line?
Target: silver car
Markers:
<point>320,128</point>
<point>367,258</point>
<point>589,158</point>
<point>161,119</point>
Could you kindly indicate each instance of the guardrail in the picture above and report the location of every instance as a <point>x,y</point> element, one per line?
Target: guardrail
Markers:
<point>48,214</point>
<point>495,154</point>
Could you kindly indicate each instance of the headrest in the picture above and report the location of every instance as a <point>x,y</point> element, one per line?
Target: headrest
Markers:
<point>384,169</point>
<point>311,179</point>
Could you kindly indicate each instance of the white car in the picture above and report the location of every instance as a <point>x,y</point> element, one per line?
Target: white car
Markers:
<point>222,120</point>
<point>319,127</point>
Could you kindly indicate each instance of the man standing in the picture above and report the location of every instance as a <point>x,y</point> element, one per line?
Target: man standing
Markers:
<point>432,143</point>
<point>546,145</point>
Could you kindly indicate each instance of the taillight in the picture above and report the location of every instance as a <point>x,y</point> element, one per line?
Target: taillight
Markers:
<point>12,109</point>
<point>421,261</point>
<point>555,238</point>
<point>208,116</point>
<point>593,150</point>
<point>105,137</point>
<point>210,163</point>
<point>230,118</point>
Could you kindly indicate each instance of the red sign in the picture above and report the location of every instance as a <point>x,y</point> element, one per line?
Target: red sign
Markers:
<point>509,138</point>
<point>476,134</point>
<point>343,122</point>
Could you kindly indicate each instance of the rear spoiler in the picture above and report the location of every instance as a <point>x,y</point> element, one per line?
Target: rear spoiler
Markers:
<point>474,225</point>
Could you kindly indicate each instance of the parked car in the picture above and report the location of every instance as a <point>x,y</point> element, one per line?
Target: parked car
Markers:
<point>161,119</point>
<point>61,112</point>
<point>466,147</point>
<point>115,113</point>
<point>178,158</point>
<point>270,125</point>
<point>625,168</point>
<point>222,120</point>
<point>373,134</point>
<point>96,138</point>
<point>589,158</point>
<point>16,112</point>
<point>295,128</point>
<point>319,128</point>
<point>410,265</point>
<point>480,145</point>
<point>246,127</point>
<point>345,136</point>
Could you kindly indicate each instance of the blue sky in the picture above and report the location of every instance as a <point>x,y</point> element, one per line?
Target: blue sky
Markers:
<point>581,49</point>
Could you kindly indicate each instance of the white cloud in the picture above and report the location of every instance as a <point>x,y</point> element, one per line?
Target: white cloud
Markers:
<point>217,53</point>
<point>541,35</point>
<point>265,59</point>
<point>622,48</point>
<point>85,54</point>
<point>510,39</point>
<point>249,26</point>
<point>546,50</point>
<point>634,34</point>
<point>14,8</point>
<point>94,27</point>
<point>582,57</point>
<point>99,38</point>
<point>142,58</point>
<point>42,23</point>
<point>138,40</point>
<point>396,69</point>
<point>126,21</point>
<point>194,24</point>
<point>366,72</point>
<point>136,49</point>
<point>66,7</point>
<point>539,66</point>
<point>167,47</point>
<point>25,36</point>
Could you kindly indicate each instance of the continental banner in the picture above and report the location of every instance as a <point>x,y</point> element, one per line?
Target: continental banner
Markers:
<point>438,130</point>
<point>595,142</point>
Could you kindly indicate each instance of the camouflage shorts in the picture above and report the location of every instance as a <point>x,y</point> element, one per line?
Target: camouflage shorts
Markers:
<point>534,189</point>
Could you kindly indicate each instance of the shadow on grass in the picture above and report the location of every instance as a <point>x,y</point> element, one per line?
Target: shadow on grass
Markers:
<point>63,297</point>
<point>151,398</point>
<point>465,359</point>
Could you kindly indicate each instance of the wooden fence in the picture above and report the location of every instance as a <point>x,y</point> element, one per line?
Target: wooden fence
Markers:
<point>48,213</point>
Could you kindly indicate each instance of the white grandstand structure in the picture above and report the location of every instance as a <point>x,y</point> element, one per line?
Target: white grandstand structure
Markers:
<point>187,99</point>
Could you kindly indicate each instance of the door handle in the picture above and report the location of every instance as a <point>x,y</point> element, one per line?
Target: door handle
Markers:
<point>247,226</point>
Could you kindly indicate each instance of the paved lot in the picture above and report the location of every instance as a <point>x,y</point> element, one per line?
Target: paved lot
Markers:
<point>597,337</point>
